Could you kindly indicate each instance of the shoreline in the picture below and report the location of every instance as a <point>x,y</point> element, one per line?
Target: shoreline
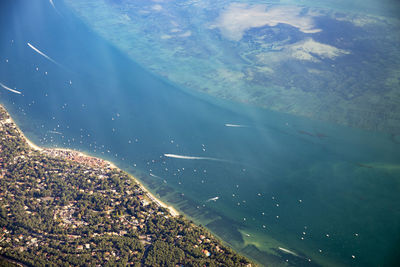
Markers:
<point>83,155</point>
<point>29,142</point>
<point>172,210</point>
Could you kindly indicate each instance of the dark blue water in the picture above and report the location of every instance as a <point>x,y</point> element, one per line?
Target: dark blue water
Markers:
<point>325,191</point>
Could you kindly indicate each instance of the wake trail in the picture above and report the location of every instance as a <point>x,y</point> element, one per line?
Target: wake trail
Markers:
<point>9,89</point>
<point>52,4</point>
<point>194,158</point>
<point>44,55</point>
<point>212,199</point>
<point>288,251</point>
<point>55,132</point>
<point>235,125</point>
<point>184,157</point>
<point>155,176</point>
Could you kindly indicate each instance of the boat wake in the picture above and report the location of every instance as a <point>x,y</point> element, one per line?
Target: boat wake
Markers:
<point>192,157</point>
<point>43,54</point>
<point>211,159</point>
<point>236,125</point>
<point>52,4</point>
<point>54,132</point>
<point>288,251</point>
<point>212,199</point>
<point>9,89</point>
<point>155,176</point>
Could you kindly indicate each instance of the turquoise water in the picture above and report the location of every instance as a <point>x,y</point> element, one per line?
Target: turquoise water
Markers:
<point>278,178</point>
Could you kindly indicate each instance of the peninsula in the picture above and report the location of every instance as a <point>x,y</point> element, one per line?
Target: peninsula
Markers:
<point>63,208</point>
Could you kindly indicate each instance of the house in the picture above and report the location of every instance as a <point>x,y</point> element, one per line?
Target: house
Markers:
<point>206,252</point>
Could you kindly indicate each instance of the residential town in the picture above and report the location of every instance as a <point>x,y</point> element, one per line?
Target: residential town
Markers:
<point>61,207</point>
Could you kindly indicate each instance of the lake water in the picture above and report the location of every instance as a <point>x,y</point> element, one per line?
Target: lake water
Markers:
<point>327,192</point>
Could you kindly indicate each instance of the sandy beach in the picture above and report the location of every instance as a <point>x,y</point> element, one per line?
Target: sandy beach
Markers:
<point>31,144</point>
<point>171,209</point>
<point>52,151</point>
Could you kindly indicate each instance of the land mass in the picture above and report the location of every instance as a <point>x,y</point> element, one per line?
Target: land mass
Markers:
<point>61,207</point>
